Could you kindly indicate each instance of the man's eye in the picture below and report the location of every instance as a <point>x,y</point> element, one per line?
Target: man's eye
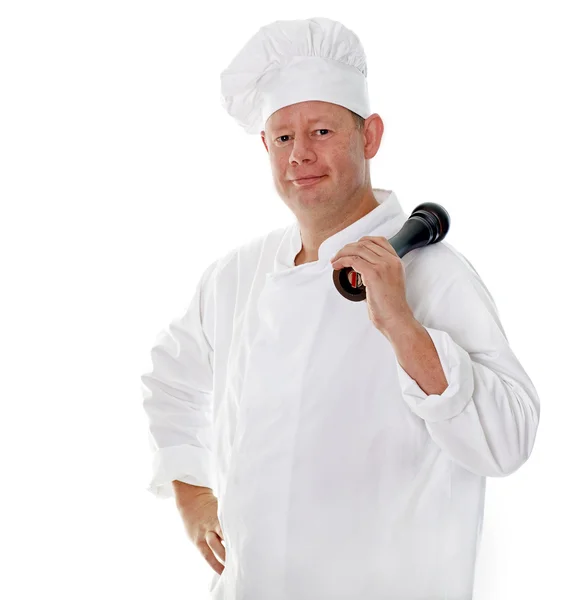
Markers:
<point>285,136</point>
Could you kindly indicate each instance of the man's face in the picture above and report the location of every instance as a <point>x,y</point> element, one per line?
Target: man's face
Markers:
<point>315,138</point>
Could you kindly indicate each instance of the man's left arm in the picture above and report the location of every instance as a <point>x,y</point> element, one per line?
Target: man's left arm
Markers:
<point>458,373</point>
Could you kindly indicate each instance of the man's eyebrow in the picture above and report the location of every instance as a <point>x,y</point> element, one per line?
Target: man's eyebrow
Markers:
<point>322,118</point>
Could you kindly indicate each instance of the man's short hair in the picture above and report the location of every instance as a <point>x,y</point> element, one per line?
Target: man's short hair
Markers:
<point>359,121</point>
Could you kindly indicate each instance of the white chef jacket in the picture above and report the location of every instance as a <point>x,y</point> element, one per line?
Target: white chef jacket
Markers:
<point>336,476</point>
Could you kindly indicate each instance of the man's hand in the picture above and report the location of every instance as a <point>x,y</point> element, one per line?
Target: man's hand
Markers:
<point>198,508</point>
<point>383,276</point>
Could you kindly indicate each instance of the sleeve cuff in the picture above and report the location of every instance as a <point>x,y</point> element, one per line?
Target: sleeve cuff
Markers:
<point>186,463</point>
<point>458,370</point>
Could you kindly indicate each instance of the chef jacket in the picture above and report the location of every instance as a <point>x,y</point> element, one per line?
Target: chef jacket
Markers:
<point>336,476</point>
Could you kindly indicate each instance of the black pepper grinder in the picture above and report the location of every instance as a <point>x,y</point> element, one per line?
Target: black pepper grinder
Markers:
<point>428,224</point>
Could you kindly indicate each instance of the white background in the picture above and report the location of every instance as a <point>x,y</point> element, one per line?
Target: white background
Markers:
<point>122,178</point>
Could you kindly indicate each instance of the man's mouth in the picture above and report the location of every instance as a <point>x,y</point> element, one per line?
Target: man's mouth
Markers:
<point>307,181</point>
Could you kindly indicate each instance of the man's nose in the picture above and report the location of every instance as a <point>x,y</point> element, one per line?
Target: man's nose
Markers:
<point>302,150</point>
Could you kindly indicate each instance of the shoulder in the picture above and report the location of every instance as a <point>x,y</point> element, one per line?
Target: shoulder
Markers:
<point>439,261</point>
<point>247,255</point>
<point>441,271</point>
<point>260,245</point>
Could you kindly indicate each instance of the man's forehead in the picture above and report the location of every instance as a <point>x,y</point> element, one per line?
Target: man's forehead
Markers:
<point>283,123</point>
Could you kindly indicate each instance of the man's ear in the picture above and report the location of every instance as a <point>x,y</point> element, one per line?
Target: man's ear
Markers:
<point>264,141</point>
<point>373,131</point>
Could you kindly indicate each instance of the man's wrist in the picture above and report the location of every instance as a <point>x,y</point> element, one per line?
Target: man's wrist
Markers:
<point>187,491</point>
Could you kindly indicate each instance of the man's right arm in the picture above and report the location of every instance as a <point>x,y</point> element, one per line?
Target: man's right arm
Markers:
<point>177,395</point>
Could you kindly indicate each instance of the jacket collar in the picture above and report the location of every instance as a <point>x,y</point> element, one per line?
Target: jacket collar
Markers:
<point>385,220</point>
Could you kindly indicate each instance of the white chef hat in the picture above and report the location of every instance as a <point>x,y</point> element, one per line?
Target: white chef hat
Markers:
<point>287,62</point>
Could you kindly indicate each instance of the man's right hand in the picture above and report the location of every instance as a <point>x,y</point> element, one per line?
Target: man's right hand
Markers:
<point>198,507</point>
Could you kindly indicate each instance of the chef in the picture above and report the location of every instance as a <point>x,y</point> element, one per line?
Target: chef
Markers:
<point>348,443</point>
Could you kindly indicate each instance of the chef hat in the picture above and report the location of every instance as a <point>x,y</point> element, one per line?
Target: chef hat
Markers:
<point>287,62</point>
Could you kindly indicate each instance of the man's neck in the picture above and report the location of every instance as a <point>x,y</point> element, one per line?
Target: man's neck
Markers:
<point>312,238</point>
